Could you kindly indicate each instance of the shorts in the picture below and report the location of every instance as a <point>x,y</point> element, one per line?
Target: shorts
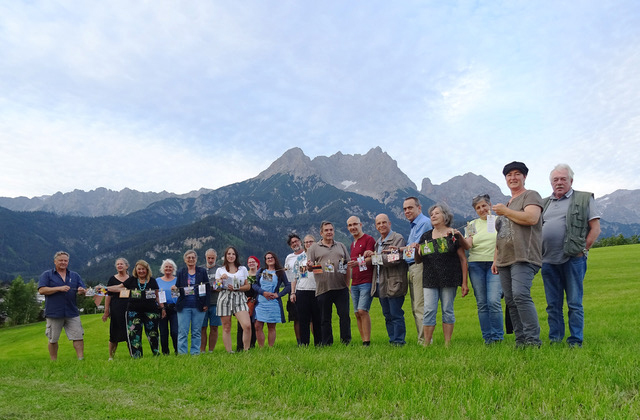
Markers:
<point>72,327</point>
<point>230,302</point>
<point>210,317</point>
<point>361,296</point>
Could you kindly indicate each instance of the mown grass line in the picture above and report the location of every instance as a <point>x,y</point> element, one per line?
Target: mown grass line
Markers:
<point>467,380</point>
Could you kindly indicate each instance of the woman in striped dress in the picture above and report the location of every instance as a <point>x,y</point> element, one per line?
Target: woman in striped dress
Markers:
<point>233,279</point>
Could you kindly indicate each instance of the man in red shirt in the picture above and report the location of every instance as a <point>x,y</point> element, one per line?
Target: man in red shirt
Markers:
<point>361,274</point>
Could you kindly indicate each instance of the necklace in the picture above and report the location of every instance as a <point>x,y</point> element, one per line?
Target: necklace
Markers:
<point>142,287</point>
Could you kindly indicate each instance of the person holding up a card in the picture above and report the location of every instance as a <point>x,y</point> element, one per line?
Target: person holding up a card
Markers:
<point>271,285</point>
<point>330,257</point>
<point>232,300</point>
<point>60,287</point>
<point>419,224</point>
<point>390,279</point>
<point>481,237</point>
<point>361,276</point>
<point>192,303</point>
<point>518,255</point>
<point>169,323</point>
<point>444,268</point>
<point>143,309</point>
<point>116,308</point>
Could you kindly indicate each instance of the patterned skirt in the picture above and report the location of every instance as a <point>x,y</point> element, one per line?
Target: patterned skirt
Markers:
<point>230,302</point>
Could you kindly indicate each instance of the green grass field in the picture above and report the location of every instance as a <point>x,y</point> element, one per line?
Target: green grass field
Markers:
<point>467,380</point>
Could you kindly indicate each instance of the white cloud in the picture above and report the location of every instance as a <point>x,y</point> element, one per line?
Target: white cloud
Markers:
<point>445,88</point>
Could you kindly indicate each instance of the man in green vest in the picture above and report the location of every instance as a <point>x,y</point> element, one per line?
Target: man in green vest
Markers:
<point>571,224</point>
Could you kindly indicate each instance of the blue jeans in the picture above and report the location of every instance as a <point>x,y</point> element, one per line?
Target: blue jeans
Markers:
<point>516,282</point>
<point>361,297</point>
<point>394,318</point>
<point>488,293</point>
<point>189,318</point>
<point>560,279</point>
<point>445,295</point>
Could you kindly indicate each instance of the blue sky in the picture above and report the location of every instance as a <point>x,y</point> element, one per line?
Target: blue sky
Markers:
<point>175,96</point>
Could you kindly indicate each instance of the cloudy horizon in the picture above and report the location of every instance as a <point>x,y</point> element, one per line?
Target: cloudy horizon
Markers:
<point>173,96</point>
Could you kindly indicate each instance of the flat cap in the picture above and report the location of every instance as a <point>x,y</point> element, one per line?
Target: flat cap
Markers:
<point>515,165</point>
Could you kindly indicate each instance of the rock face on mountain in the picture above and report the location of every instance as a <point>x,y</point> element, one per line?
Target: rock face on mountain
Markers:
<point>372,174</point>
<point>622,206</point>
<point>94,203</point>
<point>459,191</point>
<point>375,175</point>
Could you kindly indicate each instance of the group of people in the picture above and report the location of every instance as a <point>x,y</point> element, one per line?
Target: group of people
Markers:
<point>507,245</point>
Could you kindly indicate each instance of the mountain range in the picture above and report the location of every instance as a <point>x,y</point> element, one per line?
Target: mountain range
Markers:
<point>293,194</point>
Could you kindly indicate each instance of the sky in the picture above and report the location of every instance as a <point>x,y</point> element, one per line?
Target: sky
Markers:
<point>181,95</point>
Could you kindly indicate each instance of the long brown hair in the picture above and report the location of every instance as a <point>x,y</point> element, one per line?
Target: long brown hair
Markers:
<point>278,266</point>
<point>236,263</point>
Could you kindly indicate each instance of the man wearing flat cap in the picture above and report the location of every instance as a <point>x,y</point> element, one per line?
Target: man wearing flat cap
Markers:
<point>518,255</point>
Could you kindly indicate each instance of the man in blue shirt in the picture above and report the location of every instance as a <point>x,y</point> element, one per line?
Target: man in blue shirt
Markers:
<point>60,287</point>
<point>419,225</point>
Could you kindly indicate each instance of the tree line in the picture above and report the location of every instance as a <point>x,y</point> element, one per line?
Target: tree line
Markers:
<point>617,240</point>
<point>19,303</point>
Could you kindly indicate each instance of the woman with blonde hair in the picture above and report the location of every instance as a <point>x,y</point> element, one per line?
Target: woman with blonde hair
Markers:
<point>143,310</point>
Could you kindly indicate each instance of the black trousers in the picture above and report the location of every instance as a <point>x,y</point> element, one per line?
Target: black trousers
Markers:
<point>309,312</point>
<point>166,324</point>
<point>341,299</point>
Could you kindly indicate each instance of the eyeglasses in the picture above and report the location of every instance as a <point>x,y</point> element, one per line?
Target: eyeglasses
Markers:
<point>309,242</point>
<point>269,258</point>
<point>485,196</point>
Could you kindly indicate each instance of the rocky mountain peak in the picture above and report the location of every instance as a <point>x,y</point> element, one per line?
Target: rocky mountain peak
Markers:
<point>293,162</point>
<point>427,187</point>
<point>458,192</point>
<point>371,174</point>
<point>623,206</point>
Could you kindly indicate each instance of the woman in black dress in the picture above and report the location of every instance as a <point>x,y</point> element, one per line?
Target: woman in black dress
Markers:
<point>116,308</point>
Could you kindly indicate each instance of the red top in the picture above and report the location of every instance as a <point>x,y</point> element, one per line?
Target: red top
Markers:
<point>366,242</point>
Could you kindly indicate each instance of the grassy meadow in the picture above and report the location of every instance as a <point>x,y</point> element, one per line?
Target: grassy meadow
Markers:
<point>466,380</point>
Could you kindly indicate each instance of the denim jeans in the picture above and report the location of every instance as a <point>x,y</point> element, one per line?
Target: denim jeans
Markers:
<point>394,318</point>
<point>488,293</point>
<point>326,301</point>
<point>361,297</point>
<point>445,295</point>
<point>189,318</point>
<point>516,282</point>
<point>560,279</point>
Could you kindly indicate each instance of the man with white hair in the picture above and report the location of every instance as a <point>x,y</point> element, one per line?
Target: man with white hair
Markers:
<point>571,224</point>
<point>60,287</point>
